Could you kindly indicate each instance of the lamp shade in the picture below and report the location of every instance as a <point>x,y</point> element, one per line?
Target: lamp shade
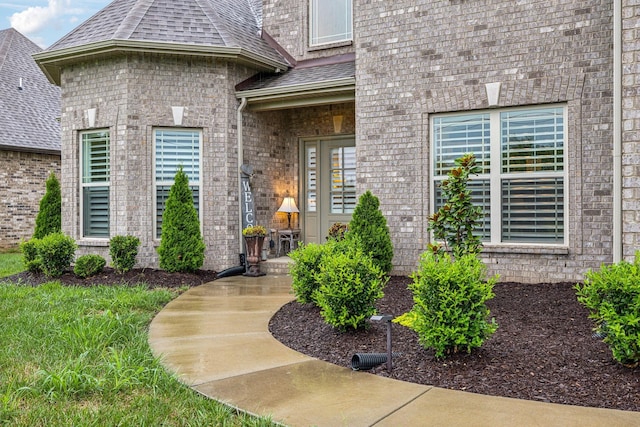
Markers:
<point>288,205</point>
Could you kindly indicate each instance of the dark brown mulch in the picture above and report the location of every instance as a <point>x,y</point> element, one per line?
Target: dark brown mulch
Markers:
<point>543,350</point>
<point>153,278</point>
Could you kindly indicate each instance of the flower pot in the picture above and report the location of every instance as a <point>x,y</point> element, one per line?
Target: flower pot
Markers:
<point>254,252</point>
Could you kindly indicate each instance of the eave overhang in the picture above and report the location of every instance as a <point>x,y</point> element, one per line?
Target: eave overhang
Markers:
<point>300,95</point>
<point>51,62</point>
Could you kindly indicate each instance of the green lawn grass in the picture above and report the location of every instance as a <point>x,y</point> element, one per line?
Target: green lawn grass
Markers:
<point>75,356</point>
<point>10,263</point>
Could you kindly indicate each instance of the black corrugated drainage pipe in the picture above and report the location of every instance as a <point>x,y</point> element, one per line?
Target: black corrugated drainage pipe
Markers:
<point>234,271</point>
<point>366,361</point>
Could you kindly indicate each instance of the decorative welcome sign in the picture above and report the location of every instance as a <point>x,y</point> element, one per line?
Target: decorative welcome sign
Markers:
<point>248,212</point>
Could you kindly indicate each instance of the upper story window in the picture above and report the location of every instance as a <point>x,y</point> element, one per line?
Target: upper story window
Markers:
<point>522,186</point>
<point>95,183</point>
<point>174,148</point>
<point>331,21</point>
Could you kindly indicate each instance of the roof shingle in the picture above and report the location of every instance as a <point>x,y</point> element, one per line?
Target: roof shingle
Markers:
<point>29,113</point>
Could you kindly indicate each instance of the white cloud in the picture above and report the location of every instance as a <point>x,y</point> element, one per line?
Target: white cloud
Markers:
<point>36,18</point>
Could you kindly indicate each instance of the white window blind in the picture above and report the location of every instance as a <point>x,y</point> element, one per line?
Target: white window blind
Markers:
<point>521,190</point>
<point>330,21</point>
<point>174,148</point>
<point>95,183</point>
<point>343,180</point>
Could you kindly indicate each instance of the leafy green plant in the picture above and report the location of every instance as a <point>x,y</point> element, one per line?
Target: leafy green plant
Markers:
<point>455,221</point>
<point>123,251</point>
<point>32,261</point>
<point>350,284</point>
<point>89,265</point>
<point>370,226</point>
<point>54,254</point>
<point>254,230</point>
<point>449,312</point>
<point>181,247</point>
<point>612,295</point>
<point>306,264</point>
<point>49,218</point>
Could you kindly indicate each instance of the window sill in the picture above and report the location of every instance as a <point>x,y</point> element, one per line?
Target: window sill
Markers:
<point>93,241</point>
<point>526,249</point>
<point>329,45</point>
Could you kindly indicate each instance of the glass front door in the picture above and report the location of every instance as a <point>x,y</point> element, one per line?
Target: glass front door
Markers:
<point>329,173</point>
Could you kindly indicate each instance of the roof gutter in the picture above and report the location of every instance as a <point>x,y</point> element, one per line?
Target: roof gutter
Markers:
<point>617,132</point>
<point>51,61</point>
<point>243,104</point>
<point>327,91</point>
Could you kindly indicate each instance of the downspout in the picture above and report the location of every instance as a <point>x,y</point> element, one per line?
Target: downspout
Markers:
<point>243,104</point>
<point>617,131</point>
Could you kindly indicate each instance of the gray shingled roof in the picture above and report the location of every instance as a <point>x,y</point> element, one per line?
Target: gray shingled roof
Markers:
<point>28,121</point>
<point>217,23</point>
<point>301,76</point>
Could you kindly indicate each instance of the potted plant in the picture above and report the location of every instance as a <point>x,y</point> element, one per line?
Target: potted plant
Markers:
<point>254,238</point>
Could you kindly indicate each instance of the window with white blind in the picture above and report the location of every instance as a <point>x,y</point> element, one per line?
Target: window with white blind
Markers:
<point>522,184</point>
<point>343,180</point>
<point>95,182</point>
<point>174,148</point>
<point>330,21</point>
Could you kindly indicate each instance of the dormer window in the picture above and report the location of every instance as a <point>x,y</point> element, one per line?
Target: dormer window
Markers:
<point>331,21</point>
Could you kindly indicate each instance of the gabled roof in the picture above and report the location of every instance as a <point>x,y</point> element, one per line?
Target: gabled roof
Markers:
<point>223,28</point>
<point>30,105</point>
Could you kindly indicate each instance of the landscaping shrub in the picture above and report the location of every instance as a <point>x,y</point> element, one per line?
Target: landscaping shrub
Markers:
<point>455,221</point>
<point>370,226</point>
<point>30,256</point>
<point>449,313</point>
<point>56,252</point>
<point>89,265</point>
<point>49,218</point>
<point>612,295</point>
<point>123,251</point>
<point>306,264</point>
<point>349,284</point>
<point>181,246</point>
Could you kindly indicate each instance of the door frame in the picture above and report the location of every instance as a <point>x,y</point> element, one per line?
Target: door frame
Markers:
<point>306,221</point>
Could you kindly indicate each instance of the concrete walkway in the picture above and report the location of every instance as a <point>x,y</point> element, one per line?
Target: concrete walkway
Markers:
<point>215,337</point>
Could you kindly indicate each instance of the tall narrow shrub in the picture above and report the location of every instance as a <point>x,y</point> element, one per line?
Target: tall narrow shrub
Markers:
<point>181,246</point>
<point>49,219</point>
<point>369,226</point>
<point>456,220</point>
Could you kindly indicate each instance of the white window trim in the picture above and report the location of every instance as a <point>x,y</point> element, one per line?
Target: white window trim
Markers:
<point>332,43</point>
<point>496,176</point>
<point>169,183</point>
<point>83,185</point>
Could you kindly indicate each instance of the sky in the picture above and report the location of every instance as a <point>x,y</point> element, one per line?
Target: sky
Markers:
<point>46,21</point>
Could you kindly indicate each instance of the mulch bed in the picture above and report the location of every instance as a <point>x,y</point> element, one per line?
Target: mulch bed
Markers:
<point>544,348</point>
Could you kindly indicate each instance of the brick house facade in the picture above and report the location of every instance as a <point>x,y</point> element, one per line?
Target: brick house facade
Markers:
<point>384,94</point>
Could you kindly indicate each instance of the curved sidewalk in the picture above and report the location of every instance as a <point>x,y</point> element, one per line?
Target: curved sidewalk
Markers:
<point>215,337</point>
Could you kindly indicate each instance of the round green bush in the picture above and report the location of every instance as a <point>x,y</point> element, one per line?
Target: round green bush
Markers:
<point>123,251</point>
<point>612,295</point>
<point>306,264</point>
<point>450,314</point>
<point>56,251</point>
<point>89,265</point>
<point>30,256</point>
<point>350,284</point>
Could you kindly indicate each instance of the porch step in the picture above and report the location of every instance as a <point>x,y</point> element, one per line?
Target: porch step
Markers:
<point>276,266</point>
